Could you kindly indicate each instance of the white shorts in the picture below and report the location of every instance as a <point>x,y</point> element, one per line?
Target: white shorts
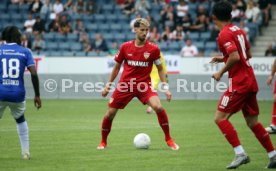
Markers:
<point>17,109</point>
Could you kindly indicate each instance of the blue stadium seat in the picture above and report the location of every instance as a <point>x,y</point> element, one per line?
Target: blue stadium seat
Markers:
<point>163,46</point>
<point>23,10</point>
<point>211,45</point>
<point>194,36</point>
<point>60,37</point>
<point>108,7</point>
<point>55,53</point>
<point>67,54</point>
<point>72,37</point>
<point>99,18</point>
<point>49,36</point>
<point>76,47</point>
<point>92,54</point>
<point>120,37</point>
<point>108,36</point>
<point>174,46</point>
<point>13,8</point>
<point>205,36</point>
<point>199,45</point>
<point>91,27</point>
<point>80,54</point>
<point>3,8</point>
<point>5,17</point>
<point>116,27</point>
<point>51,46</point>
<point>16,17</point>
<point>104,27</point>
<point>130,36</point>
<point>65,46</point>
<point>112,19</point>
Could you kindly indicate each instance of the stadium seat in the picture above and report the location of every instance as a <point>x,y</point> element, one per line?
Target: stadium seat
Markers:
<point>211,45</point>
<point>67,54</point>
<point>99,18</point>
<point>65,46</point>
<point>174,46</point>
<point>194,36</point>
<point>76,47</point>
<point>13,8</point>
<point>109,37</point>
<point>80,54</point>
<point>92,27</point>
<point>199,45</point>
<point>72,37</point>
<point>116,27</point>
<point>120,37</point>
<point>5,17</point>
<point>92,54</point>
<point>60,37</point>
<point>55,53</point>
<point>104,27</point>
<point>16,17</point>
<point>52,46</point>
<point>205,36</point>
<point>49,36</point>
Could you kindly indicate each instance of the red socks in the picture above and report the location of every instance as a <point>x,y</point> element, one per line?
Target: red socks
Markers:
<point>263,137</point>
<point>229,132</point>
<point>106,127</point>
<point>164,123</point>
<point>273,122</point>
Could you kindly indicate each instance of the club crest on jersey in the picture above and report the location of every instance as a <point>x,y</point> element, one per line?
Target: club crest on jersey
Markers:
<point>146,55</point>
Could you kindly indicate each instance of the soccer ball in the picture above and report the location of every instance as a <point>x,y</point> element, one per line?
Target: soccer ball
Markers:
<point>141,141</point>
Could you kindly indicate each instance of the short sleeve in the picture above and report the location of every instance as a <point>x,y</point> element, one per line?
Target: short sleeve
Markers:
<point>228,43</point>
<point>30,59</point>
<point>120,56</point>
<point>157,59</point>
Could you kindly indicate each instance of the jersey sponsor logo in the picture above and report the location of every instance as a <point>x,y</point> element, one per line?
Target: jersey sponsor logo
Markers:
<point>10,82</point>
<point>129,54</point>
<point>146,55</point>
<point>137,63</point>
<point>227,44</point>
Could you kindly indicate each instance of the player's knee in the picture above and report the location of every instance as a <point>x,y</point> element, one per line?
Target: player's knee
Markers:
<point>157,108</point>
<point>251,123</point>
<point>20,119</point>
<point>110,114</point>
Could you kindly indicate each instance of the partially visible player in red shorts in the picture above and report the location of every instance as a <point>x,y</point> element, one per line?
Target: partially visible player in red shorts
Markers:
<point>272,128</point>
<point>137,57</point>
<point>241,94</point>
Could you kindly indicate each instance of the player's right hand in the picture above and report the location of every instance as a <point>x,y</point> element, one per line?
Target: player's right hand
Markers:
<point>168,95</point>
<point>37,102</point>
<point>216,59</point>
<point>105,92</point>
<point>269,80</point>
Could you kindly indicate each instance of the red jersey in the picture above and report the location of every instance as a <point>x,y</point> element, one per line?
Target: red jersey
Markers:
<point>230,39</point>
<point>138,61</point>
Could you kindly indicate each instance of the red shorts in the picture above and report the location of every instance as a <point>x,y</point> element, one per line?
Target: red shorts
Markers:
<point>232,102</point>
<point>120,99</point>
<point>274,91</point>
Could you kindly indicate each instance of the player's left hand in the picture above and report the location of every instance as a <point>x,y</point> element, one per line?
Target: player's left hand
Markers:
<point>217,76</point>
<point>269,80</point>
<point>37,102</point>
<point>168,95</point>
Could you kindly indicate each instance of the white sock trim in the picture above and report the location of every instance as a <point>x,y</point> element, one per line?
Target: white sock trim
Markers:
<point>239,150</point>
<point>271,154</point>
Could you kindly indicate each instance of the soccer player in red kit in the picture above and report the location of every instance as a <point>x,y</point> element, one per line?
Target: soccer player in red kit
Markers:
<point>137,57</point>
<point>241,94</point>
<point>272,128</point>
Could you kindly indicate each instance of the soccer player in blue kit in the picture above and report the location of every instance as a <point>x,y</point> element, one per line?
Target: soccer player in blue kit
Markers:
<point>13,61</point>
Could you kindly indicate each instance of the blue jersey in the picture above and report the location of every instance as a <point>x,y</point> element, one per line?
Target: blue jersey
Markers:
<point>13,61</point>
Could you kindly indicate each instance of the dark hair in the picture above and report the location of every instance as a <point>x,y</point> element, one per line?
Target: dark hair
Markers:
<point>222,10</point>
<point>11,34</point>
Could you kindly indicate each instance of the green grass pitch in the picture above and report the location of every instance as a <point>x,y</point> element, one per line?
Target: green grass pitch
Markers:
<point>64,135</point>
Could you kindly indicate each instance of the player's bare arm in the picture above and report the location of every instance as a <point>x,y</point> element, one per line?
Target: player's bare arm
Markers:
<point>164,82</point>
<point>113,75</point>
<point>270,77</point>
<point>234,57</point>
<point>216,59</point>
<point>35,82</point>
